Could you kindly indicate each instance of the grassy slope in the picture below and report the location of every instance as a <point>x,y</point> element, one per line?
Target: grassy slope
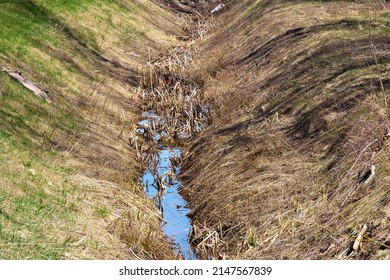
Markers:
<point>66,178</point>
<point>300,93</point>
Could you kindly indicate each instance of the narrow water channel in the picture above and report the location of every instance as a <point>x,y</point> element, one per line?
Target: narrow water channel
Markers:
<point>161,184</point>
<point>176,225</point>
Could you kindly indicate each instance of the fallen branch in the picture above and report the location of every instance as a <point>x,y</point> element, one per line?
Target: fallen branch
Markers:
<point>26,83</point>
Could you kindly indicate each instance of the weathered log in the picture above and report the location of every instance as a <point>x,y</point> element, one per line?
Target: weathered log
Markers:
<point>26,83</point>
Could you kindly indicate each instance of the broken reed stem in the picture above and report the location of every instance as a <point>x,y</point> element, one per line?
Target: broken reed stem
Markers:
<point>83,138</point>
<point>359,238</point>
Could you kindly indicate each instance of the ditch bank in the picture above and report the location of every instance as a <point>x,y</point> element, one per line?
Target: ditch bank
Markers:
<point>295,162</point>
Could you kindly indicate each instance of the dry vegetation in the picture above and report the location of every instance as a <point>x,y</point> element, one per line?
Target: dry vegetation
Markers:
<point>296,162</point>
<point>69,182</point>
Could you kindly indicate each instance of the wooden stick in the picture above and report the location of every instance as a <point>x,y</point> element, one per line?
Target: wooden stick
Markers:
<point>26,83</point>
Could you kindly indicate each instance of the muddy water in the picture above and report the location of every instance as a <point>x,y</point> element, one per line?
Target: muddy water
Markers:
<point>161,184</point>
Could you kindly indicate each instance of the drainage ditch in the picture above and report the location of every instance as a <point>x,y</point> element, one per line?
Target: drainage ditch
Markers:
<point>173,112</point>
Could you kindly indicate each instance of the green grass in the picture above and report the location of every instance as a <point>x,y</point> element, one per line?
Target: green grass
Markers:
<point>386,15</point>
<point>102,211</point>
<point>24,24</point>
<point>34,214</point>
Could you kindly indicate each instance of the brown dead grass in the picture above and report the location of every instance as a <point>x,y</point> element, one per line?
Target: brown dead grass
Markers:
<point>126,224</point>
<point>300,90</point>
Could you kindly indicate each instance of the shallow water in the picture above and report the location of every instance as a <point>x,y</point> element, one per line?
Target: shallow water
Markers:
<point>176,225</point>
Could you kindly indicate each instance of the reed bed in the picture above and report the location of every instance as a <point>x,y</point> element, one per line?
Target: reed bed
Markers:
<point>177,103</point>
<point>172,110</point>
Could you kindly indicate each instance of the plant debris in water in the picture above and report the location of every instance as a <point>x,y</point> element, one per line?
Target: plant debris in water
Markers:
<point>173,112</point>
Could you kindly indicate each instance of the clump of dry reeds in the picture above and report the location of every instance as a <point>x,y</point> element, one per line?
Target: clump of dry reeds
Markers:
<point>196,28</point>
<point>207,242</point>
<point>176,102</point>
<point>173,110</point>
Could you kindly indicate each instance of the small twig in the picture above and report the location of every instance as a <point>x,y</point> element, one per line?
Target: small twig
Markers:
<point>80,241</point>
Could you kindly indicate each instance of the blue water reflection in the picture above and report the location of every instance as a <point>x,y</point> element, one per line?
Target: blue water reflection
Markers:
<point>176,224</point>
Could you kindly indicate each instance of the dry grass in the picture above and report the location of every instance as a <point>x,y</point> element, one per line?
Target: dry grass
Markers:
<point>299,94</point>
<point>125,222</point>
